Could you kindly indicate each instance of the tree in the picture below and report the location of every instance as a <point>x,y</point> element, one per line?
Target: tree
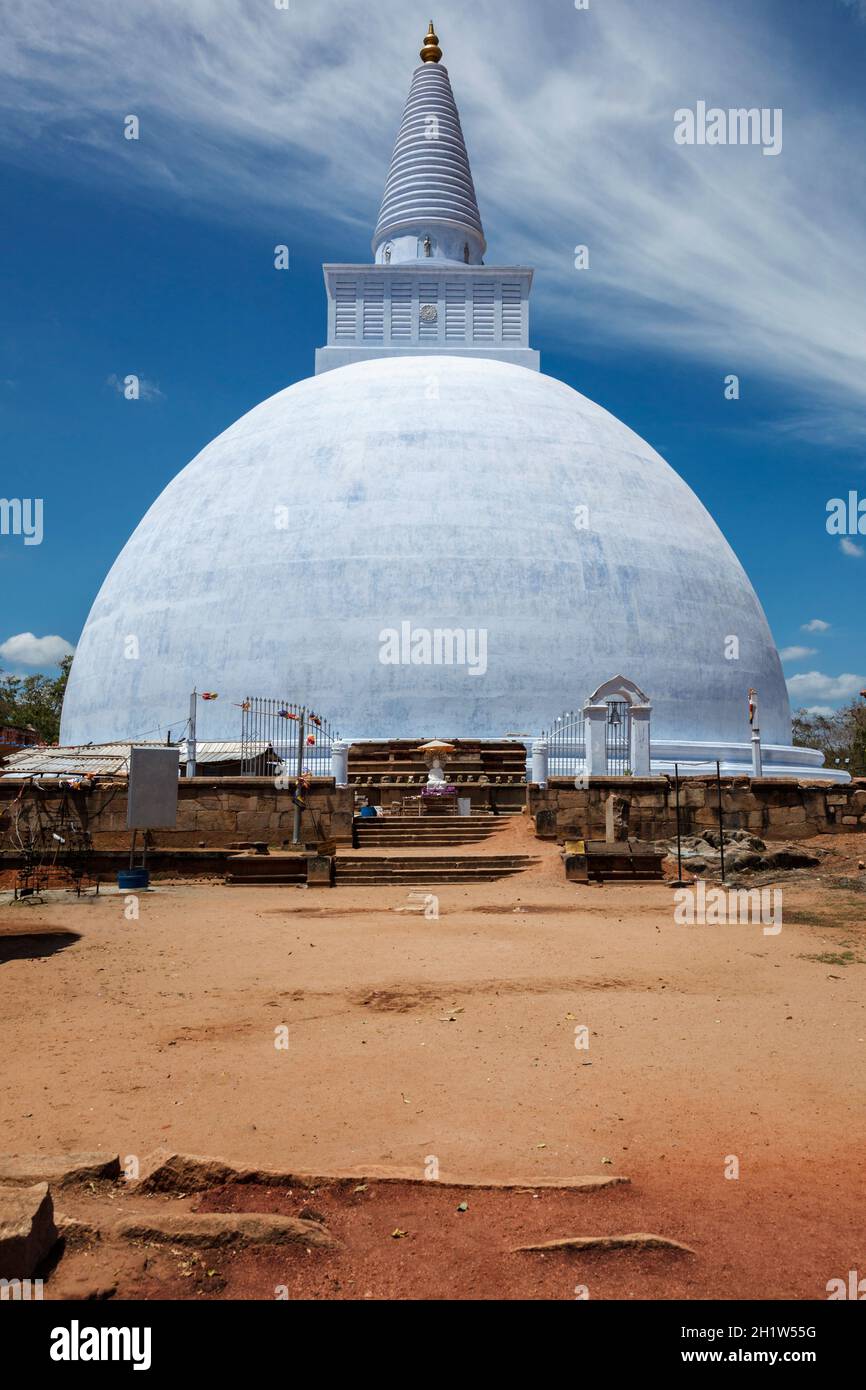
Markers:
<point>841,736</point>
<point>35,700</point>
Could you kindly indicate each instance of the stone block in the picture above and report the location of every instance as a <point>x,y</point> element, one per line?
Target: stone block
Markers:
<point>58,1169</point>
<point>341,826</point>
<point>320,871</point>
<point>787,815</point>
<point>208,1230</point>
<point>694,797</point>
<point>27,1229</point>
<point>617,812</point>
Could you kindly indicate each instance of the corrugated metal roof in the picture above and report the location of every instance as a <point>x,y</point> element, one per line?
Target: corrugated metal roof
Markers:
<point>113,758</point>
<point>43,765</point>
<point>224,752</point>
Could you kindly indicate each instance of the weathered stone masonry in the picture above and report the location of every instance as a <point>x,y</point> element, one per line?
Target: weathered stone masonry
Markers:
<point>210,812</point>
<point>774,808</point>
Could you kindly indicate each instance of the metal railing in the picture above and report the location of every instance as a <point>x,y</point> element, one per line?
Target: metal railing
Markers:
<point>566,744</point>
<point>300,737</point>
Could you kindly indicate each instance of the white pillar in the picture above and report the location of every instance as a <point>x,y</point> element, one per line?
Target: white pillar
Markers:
<point>191,765</point>
<point>757,764</point>
<point>595,730</point>
<point>639,751</point>
<point>340,763</point>
<point>539,762</point>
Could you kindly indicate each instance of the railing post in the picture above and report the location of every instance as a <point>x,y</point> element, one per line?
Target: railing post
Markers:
<point>595,727</point>
<point>296,829</point>
<point>757,760</point>
<point>540,749</point>
<point>340,763</point>
<point>639,751</point>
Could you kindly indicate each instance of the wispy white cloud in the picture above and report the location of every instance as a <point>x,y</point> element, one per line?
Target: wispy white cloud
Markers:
<point>796,653</point>
<point>133,387</point>
<point>829,425</point>
<point>850,548</point>
<point>26,649</point>
<point>744,262</point>
<point>816,625</point>
<point>814,685</point>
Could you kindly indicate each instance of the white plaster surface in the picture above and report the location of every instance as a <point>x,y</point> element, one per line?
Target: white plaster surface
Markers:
<point>439,491</point>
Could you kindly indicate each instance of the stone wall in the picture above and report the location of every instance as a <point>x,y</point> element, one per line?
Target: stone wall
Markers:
<point>774,808</point>
<point>211,812</point>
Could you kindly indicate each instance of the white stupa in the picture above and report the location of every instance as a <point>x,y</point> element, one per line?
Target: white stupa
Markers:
<point>430,535</point>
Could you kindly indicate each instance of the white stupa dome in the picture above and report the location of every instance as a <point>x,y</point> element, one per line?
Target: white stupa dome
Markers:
<point>446,494</point>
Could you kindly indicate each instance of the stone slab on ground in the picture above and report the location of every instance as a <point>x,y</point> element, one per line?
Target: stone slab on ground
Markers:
<point>77,1232</point>
<point>182,1173</point>
<point>238,1229</point>
<point>27,1229</point>
<point>637,1240</point>
<point>58,1169</point>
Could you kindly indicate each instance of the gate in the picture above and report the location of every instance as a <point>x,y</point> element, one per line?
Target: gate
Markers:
<point>298,736</point>
<point>618,738</point>
<point>566,745</point>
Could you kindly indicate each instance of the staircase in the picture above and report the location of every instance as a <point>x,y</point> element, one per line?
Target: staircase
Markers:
<point>256,870</point>
<point>397,764</point>
<point>421,832</point>
<point>427,870</point>
<point>413,850</point>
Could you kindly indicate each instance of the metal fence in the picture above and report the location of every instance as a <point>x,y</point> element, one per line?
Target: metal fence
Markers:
<point>566,745</point>
<point>299,736</point>
<point>566,742</point>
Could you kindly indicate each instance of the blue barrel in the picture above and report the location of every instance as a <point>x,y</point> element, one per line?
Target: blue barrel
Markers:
<point>133,878</point>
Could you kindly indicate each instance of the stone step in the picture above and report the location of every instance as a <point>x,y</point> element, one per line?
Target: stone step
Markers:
<point>440,867</point>
<point>453,827</point>
<point>488,822</point>
<point>417,837</point>
<point>420,842</point>
<point>350,861</point>
<point>427,822</point>
<point>267,868</point>
<point>392,826</point>
<point>403,880</point>
<point>424,877</point>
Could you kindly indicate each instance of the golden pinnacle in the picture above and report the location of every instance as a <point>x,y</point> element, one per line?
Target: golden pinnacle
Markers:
<point>431,52</point>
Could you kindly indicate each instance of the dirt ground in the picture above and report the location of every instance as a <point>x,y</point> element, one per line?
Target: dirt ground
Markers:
<point>411,1039</point>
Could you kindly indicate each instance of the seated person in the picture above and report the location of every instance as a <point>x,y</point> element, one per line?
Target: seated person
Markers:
<point>369,809</point>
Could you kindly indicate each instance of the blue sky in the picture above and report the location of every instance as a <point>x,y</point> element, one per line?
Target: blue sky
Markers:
<point>262,126</point>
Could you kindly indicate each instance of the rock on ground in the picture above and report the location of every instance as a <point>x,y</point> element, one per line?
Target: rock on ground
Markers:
<point>77,1232</point>
<point>187,1173</point>
<point>58,1169</point>
<point>239,1229</point>
<point>27,1229</point>
<point>637,1240</point>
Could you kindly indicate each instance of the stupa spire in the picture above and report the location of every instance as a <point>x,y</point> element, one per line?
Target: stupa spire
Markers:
<point>429,290</point>
<point>431,52</point>
<point>430,210</point>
